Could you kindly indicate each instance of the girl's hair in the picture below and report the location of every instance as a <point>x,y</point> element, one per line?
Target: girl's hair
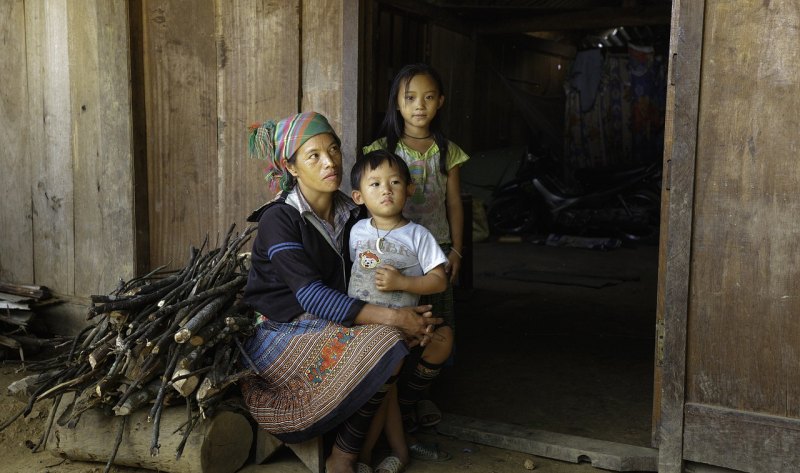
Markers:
<point>393,125</point>
<point>373,160</point>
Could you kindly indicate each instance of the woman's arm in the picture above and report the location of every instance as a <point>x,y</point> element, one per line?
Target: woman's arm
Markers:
<point>455,218</point>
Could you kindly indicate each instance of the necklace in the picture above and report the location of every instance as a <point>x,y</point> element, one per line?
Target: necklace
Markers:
<point>380,239</point>
<point>417,137</point>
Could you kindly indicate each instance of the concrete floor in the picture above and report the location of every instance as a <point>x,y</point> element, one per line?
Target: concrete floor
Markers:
<point>557,355</point>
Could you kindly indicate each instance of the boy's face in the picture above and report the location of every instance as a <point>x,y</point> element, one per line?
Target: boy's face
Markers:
<point>383,190</point>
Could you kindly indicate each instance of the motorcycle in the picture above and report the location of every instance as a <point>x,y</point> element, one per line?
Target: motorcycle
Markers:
<point>612,203</point>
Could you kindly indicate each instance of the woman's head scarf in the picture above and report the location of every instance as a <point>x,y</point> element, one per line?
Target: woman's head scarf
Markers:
<point>275,142</point>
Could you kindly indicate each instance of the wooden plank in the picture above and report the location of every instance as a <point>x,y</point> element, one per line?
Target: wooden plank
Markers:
<point>746,247</point>
<point>741,440</point>
<point>16,237</point>
<point>432,13</point>
<point>351,93</point>
<point>51,144</point>
<point>692,467</point>
<point>141,208</point>
<point>266,445</point>
<point>321,67</point>
<point>181,102</point>
<point>258,80</point>
<point>676,217</point>
<point>576,20</point>
<point>570,448</point>
<point>102,155</point>
<point>311,453</point>
<point>669,134</point>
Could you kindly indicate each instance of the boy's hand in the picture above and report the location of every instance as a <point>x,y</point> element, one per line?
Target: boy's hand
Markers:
<point>388,278</point>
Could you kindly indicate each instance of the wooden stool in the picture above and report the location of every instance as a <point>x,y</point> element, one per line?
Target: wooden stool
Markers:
<point>310,452</point>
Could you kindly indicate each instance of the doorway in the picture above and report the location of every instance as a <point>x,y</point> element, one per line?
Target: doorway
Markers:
<point>550,337</point>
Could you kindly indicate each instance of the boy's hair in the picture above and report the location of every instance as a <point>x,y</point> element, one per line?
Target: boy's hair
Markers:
<point>393,125</point>
<point>372,160</point>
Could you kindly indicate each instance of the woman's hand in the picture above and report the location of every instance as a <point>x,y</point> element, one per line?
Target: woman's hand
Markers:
<point>417,324</point>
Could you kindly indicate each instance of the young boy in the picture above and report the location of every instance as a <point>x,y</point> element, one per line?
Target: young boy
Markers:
<point>394,262</point>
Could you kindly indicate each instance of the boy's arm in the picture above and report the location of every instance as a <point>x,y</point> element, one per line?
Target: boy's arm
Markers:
<point>388,278</point>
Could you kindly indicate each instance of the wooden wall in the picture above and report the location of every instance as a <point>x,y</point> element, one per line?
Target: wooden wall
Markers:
<point>210,70</point>
<point>67,186</point>
<point>124,124</point>
<point>537,69</point>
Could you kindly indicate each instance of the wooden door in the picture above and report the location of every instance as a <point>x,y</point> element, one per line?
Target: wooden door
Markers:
<point>731,359</point>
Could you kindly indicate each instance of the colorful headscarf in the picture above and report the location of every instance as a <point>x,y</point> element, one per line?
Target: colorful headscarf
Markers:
<point>274,142</point>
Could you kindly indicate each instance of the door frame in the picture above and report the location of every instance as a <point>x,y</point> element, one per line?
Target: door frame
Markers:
<point>683,92</point>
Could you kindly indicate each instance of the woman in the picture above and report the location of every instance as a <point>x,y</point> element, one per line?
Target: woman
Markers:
<point>325,360</point>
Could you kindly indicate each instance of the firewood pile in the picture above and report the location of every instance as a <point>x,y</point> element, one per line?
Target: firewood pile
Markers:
<point>22,331</point>
<point>169,337</point>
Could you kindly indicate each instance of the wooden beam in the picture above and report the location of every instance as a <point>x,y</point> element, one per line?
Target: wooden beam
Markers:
<point>677,202</point>
<point>585,19</point>
<point>540,45</point>
<point>752,442</point>
<point>16,177</point>
<point>570,448</point>
<point>352,38</point>
<point>432,13</point>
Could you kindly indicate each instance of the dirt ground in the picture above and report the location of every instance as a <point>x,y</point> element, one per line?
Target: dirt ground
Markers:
<point>563,357</point>
<point>16,442</point>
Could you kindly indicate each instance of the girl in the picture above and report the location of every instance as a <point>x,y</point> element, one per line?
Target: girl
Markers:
<point>411,129</point>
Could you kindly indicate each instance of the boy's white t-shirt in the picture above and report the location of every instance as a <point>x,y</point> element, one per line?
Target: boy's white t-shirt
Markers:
<point>411,249</point>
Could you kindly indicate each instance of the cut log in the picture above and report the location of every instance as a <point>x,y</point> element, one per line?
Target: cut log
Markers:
<point>219,444</point>
<point>37,292</point>
<point>186,385</point>
<point>23,389</point>
<point>139,398</point>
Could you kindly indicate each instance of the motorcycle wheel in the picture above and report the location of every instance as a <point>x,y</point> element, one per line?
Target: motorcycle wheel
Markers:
<point>646,205</point>
<point>513,215</point>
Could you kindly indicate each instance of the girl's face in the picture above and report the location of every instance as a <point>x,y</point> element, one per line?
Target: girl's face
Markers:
<point>418,101</point>
<point>317,166</point>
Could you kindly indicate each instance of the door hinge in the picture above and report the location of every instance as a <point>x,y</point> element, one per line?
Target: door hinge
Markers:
<point>668,175</point>
<point>660,343</point>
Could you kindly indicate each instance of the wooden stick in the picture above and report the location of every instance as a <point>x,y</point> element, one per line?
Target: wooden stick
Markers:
<point>201,318</point>
<point>116,445</point>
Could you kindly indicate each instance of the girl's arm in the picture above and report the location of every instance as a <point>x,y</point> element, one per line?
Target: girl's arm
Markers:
<point>388,278</point>
<point>455,218</point>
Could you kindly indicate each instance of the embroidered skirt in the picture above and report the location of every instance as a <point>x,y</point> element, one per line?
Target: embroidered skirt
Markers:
<point>314,374</point>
